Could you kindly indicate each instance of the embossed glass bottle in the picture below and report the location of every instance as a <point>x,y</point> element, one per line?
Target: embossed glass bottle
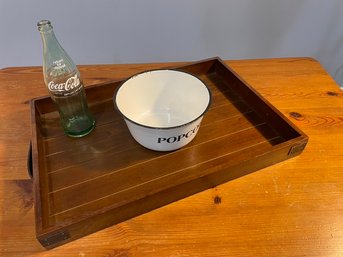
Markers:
<point>65,86</point>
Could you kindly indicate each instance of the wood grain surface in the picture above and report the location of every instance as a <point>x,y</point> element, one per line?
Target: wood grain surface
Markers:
<point>84,185</point>
<point>293,208</point>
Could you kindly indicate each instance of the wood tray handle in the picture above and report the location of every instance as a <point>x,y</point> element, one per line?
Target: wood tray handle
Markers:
<point>29,161</point>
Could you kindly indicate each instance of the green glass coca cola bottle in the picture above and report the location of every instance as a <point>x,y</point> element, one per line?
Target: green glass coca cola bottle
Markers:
<point>65,86</point>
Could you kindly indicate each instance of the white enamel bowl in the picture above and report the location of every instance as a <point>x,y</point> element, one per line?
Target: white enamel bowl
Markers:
<point>163,108</point>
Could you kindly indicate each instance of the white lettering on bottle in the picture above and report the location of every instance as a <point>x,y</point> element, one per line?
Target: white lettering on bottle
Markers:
<point>59,64</point>
<point>71,85</point>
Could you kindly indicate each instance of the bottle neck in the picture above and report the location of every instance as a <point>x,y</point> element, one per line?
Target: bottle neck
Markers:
<point>56,61</point>
<point>48,36</point>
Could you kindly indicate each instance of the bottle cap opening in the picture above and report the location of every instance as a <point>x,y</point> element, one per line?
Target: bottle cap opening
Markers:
<point>44,25</point>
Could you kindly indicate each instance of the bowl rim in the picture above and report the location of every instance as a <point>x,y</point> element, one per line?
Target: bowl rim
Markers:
<point>162,128</point>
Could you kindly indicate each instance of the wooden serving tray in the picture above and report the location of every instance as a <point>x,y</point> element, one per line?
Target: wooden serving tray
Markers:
<point>86,184</point>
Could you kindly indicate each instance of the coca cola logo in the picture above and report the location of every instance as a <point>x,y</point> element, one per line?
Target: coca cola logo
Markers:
<point>72,84</point>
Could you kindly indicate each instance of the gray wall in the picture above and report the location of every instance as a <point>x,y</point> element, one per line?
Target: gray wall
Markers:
<point>129,31</point>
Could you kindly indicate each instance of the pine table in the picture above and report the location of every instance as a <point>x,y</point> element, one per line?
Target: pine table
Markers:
<point>293,208</point>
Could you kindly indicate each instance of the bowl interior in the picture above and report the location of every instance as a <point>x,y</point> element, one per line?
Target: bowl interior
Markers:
<point>162,98</point>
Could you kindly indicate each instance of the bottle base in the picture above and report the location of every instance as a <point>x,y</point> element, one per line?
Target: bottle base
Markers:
<point>81,133</point>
